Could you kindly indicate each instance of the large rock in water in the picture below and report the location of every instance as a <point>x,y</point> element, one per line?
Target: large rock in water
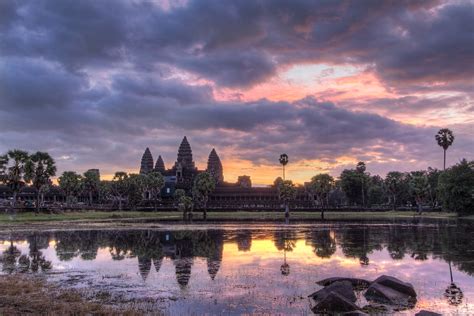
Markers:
<point>384,294</point>
<point>427,313</point>
<point>396,284</point>
<point>334,303</point>
<point>354,281</point>
<point>343,288</point>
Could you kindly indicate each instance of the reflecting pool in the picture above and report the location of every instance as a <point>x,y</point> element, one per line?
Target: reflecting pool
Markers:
<point>249,268</point>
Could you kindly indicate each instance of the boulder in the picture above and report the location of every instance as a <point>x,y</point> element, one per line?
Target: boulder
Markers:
<point>396,284</point>
<point>343,288</point>
<point>386,295</point>
<point>354,281</point>
<point>334,303</point>
<point>355,313</point>
<point>427,313</point>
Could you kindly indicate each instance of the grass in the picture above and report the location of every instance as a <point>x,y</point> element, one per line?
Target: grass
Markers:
<point>101,216</point>
<point>21,295</point>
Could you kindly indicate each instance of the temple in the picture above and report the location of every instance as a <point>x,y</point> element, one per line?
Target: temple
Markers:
<point>238,195</point>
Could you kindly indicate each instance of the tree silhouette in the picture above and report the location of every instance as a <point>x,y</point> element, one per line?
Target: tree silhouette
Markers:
<point>320,186</point>
<point>445,138</point>
<point>70,183</point>
<point>38,170</point>
<point>13,168</point>
<point>204,184</point>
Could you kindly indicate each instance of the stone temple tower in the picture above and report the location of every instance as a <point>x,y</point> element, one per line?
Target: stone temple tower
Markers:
<point>160,165</point>
<point>214,166</point>
<point>185,156</point>
<point>146,165</point>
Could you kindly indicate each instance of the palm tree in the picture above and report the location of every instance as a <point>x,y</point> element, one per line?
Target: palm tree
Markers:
<point>13,167</point>
<point>39,170</point>
<point>283,161</point>
<point>445,138</point>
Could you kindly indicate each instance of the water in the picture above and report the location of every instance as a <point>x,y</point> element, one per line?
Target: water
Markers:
<point>250,268</point>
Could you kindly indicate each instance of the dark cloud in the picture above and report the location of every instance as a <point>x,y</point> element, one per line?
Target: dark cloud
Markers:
<point>32,83</point>
<point>243,43</point>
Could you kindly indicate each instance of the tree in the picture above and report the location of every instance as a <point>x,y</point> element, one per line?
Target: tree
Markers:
<point>445,138</point>
<point>375,192</point>
<point>119,187</point>
<point>433,178</point>
<point>320,186</point>
<point>136,189</point>
<point>419,188</point>
<point>70,183</point>
<point>90,184</point>
<point>204,184</point>
<point>184,203</point>
<point>394,186</point>
<point>38,170</point>
<point>456,188</point>
<point>13,168</point>
<point>360,169</point>
<point>353,183</point>
<point>286,193</point>
<point>154,183</point>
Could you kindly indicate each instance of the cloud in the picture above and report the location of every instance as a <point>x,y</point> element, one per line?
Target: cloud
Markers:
<point>98,81</point>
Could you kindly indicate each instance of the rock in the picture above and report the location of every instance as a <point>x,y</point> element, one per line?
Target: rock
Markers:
<point>343,288</point>
<point>355,313</point>
<point>375,309</point>
<point>383,294</point>
<point>426,313</point>
<point>334,302</point>
<point>396,284</point>
<point>357,283</point>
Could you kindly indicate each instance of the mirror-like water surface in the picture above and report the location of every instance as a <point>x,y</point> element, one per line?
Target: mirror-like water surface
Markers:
<point>234,269</point>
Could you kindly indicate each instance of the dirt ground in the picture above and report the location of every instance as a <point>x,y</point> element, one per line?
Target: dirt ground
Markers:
<point>32,295</point>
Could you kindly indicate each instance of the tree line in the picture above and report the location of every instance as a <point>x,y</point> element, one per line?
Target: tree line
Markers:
<point>452,189</point>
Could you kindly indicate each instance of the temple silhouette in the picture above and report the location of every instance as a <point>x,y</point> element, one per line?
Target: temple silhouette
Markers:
<point>238,195</point>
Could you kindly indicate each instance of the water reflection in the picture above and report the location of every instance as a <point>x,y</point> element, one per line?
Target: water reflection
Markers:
<point>326,251</point>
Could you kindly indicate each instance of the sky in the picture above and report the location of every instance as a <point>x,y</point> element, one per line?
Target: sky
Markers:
<point>330,83</point>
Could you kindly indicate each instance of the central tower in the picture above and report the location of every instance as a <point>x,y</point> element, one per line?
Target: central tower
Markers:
<point>185,156</point>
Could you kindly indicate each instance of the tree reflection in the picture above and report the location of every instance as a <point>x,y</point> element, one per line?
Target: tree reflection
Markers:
<point>285,240</point>
<point>323,243</point>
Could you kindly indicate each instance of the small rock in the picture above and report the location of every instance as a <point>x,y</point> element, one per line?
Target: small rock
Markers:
<point>426,313</point>
<point>343,288</point>
<point>396,284</point>
<point>334,302</point>
<point>357,283</point>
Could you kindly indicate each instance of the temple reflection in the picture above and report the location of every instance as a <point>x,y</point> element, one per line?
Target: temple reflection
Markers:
<point>151,248</point>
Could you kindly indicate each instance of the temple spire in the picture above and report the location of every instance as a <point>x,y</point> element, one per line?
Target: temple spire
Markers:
<point>185,155</point>
<point>160,165</point>
<point>214,166</point>
<point>147,162</point>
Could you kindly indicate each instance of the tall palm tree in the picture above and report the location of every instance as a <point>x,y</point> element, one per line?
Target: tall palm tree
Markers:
<point>445,138</point>
<point>38,170</point>
<point>283,161</point>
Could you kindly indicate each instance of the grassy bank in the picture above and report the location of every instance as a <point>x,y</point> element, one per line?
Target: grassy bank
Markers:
<point>90,216</point>
<point>28,295</point>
